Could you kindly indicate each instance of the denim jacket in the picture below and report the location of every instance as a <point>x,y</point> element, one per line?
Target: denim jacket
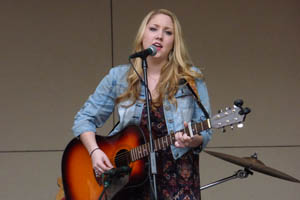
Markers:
<point>101,103</point>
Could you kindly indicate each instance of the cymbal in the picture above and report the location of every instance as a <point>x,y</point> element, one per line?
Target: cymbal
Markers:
<point>253,163</point>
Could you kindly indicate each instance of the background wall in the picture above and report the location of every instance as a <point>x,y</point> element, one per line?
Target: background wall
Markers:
<point>54,53</point>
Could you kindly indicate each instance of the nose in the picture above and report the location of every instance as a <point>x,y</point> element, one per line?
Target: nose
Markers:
<point>159,35</point>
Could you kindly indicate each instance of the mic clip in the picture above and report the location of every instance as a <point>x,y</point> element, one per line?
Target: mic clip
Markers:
<point>108,176</point>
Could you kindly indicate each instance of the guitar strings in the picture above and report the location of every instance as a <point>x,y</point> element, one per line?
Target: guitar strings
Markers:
<point>126,155</point>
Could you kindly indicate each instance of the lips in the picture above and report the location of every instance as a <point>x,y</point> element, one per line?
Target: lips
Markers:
<point>158,46</point>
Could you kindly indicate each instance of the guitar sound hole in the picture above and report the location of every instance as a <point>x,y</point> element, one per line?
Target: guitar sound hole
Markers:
<point>122,158</point>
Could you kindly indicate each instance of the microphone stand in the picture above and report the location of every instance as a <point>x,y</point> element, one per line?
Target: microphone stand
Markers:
<point>152,153</point>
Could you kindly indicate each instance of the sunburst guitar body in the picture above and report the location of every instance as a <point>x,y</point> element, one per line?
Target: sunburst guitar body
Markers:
<point>79,180</point>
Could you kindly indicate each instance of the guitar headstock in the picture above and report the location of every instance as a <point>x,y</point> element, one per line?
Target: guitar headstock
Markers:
<point>231,116</point>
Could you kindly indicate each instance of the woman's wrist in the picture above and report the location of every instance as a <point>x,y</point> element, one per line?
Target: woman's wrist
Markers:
<point>196,141</point>
<point>198,146</point>
<point>95,149</point>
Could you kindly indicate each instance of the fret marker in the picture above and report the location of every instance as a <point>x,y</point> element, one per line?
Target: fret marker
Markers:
<point>208,123</point>
<point>190,129</point>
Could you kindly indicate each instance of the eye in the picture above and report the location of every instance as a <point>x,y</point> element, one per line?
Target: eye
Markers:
<point>169,32</point>
<point>152,29</point>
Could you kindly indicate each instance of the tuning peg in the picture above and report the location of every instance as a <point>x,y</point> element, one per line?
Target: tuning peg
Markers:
<point>231,127</point>
<point>247,110</point>
<point>219,111</point>
<point>223,130</point>
<point>254,156</point>
<point>238,102</point>
<point>244,111</point>
<point>240,125</point>
<point>241,112</point>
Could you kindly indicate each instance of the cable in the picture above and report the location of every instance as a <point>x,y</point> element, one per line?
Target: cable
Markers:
<point>141,79</point>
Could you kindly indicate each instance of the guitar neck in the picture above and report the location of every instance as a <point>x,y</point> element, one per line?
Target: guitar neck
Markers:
<point>165,141</point>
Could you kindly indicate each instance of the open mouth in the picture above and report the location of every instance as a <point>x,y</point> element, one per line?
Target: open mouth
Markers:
<point>158,46</point>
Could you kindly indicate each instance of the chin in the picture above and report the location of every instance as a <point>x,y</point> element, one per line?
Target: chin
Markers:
<point>159,55</point>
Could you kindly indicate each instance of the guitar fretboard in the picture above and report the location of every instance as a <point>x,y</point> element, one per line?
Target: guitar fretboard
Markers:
<point>164,142</point>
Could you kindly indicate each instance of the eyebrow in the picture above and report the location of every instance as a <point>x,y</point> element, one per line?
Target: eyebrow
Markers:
<point>166,27</point>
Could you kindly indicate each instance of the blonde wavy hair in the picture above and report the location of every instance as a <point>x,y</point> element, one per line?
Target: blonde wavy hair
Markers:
<point>178,66</point>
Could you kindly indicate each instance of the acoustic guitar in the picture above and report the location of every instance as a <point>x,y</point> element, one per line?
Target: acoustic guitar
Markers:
<point>127,148</point>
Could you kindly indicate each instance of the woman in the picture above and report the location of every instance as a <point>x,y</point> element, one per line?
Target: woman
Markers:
<point>172,105</point>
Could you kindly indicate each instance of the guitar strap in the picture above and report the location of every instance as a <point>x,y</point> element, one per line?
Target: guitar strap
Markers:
<point>192,85</point>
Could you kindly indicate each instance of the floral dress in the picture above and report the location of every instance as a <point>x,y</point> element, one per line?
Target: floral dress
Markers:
<point>176,179</point>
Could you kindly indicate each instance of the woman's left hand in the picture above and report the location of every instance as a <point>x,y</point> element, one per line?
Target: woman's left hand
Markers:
<point>183,140</point>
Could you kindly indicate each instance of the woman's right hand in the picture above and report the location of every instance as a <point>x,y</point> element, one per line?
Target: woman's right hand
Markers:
<point>100,162</point>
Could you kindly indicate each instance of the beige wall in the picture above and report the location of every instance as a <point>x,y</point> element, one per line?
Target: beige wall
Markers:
<point>53,54</point>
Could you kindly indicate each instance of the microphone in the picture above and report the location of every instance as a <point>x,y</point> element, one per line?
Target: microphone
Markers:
<point>143,54</point>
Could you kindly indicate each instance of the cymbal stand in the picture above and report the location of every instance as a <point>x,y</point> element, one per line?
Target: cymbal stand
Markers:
<point>239,174</point>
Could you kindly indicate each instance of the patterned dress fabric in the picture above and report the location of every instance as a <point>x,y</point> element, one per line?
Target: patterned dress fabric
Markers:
<point>176,179</point>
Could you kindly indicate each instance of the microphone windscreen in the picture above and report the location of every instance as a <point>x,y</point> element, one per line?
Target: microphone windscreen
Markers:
<point>153,50</point>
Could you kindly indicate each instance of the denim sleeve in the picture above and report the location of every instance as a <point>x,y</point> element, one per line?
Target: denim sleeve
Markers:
<point>204,98</point>
<point>203,95</point>
<point>99,106</point>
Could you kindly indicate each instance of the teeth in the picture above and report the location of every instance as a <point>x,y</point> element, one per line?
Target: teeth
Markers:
<point>157,45</point>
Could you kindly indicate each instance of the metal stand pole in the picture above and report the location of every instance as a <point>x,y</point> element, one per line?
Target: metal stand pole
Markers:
<point>152,153</point>
<point>239,174</point>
